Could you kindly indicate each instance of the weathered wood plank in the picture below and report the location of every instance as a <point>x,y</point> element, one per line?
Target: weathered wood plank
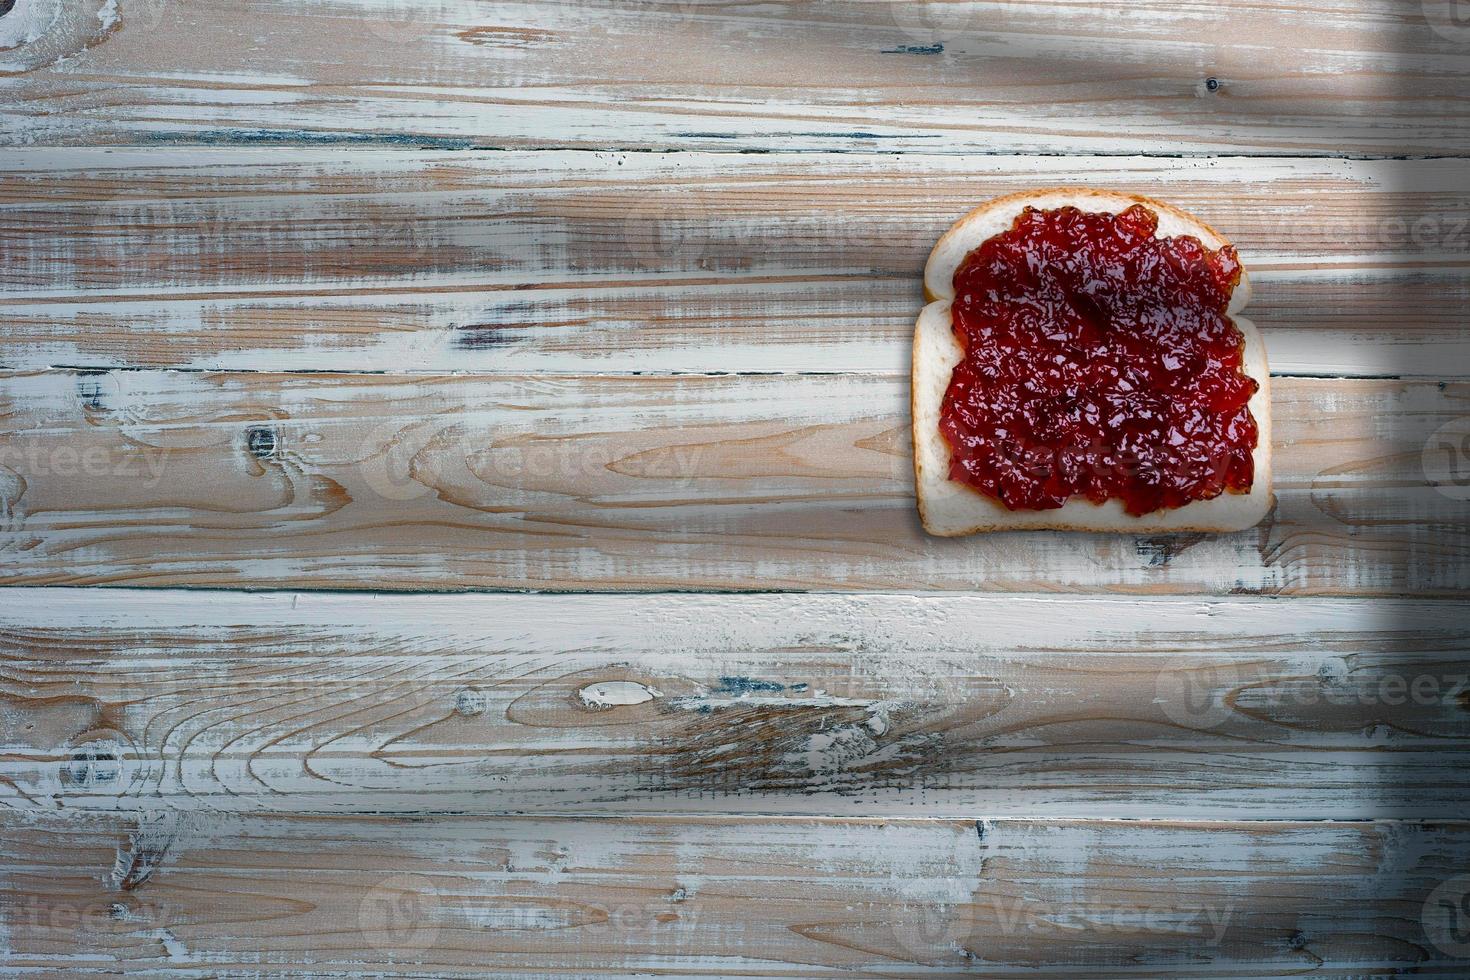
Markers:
<point>515,262</point>
<point>1349,76</point>
<point>618,483</point>
<point>1179,708</point>
<point>187,895</point>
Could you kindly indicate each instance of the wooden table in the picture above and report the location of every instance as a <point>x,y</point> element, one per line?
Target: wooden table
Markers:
<point>481,431</point>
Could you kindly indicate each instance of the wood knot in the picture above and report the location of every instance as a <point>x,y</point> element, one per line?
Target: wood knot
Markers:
<point>89,388</point>
<point>261,441</point>
<point>1159,550</point>
<point>94,766</point>
<point>469,703</point>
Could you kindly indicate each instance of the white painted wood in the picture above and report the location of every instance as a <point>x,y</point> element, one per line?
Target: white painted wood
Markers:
<point>720,897</point>
<point>570,261</point>
<point>628,625</point>
<point>142,734</point>
<point>39,33</point>
<point>929,77</point>
<point>644,483</point>
<point>946,706</point>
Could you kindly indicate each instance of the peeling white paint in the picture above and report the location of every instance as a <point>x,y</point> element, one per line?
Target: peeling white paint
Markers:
<point>648,628</point>
<point>610,694</point>
<point>511,463</point>
<point>461,702</point>
<point>173,948</point>
<point>27,22</point>
<point>817,699</point>
<point>711,896</point>
<point>865,313</point>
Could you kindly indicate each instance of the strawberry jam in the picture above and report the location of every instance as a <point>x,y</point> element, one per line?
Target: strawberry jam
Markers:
<point>1098,363</point>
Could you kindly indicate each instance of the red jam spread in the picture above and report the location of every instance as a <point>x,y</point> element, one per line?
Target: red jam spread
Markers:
<point>1098,363</point>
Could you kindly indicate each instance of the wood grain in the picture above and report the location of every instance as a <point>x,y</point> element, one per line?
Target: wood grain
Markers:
<point>947,706</point>
<point>1324,78</point>
<point>619,483</point>
<point>518,262</point>
<point>565,362</point>
<point>193,895</point>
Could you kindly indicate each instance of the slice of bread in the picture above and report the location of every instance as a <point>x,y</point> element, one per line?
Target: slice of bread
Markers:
<point>949,508</point>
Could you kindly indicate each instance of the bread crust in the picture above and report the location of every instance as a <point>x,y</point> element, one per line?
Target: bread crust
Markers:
<point>948,508</point>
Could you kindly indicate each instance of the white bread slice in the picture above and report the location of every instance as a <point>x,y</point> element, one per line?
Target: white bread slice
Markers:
<point>949,508</point>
